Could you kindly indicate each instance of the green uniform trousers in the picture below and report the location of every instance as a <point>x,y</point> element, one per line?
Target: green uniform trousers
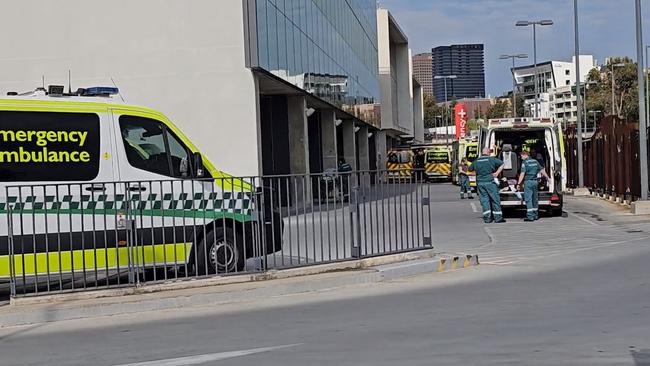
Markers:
<point>531,196</point>
<point>490,201</point>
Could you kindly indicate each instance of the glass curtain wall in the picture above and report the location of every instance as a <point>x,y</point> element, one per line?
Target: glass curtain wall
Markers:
<point>325,47</point>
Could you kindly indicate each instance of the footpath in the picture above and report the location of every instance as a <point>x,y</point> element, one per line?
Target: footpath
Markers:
<point>227,289</point>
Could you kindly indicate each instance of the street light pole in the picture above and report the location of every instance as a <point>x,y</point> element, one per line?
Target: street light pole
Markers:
<point>643,142</point>
<point>514,80</point>
<point>525,23</point>
<point>581,173</point>
<point>613,90</point>
<point>647,83</point>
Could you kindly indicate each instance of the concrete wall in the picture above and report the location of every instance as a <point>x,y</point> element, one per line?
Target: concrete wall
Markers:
<point>384,61</point>
<point>404,77</point>
<point>418,113</point>
<point>328,128</point>
<point>395,76</point>
<point>184,58</point>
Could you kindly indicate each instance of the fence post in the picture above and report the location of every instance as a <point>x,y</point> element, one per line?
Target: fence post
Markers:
<point>10,242</point>
<point>131,238</point>
<point>355,222</point>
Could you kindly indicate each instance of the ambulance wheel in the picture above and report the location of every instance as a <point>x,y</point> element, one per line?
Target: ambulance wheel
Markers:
<point>224,253</point>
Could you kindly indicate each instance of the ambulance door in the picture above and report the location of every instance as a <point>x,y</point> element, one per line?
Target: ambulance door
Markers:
<point>164,200</point>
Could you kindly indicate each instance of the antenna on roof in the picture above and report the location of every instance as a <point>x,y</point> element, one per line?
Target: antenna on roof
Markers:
<point>118,93</point>
<point>43,81</point>
<point>69,83</point>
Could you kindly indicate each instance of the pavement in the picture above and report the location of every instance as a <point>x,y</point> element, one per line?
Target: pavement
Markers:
<point>568,290</point>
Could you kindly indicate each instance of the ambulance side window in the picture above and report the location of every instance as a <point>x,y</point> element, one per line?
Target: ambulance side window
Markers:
<point>150,146</point>
<point>178,153</point>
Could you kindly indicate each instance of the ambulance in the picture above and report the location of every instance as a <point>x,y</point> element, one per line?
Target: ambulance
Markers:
<point>90,185</point>
<point>543,138</point>
<point>464,148</point>
<point>400,164</point>
<point>438,163</point>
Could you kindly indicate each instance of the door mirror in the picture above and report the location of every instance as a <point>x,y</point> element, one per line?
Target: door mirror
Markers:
<point>197,161</point>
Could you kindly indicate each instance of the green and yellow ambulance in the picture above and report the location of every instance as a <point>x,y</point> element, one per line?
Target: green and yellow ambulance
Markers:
<point>92,185</point>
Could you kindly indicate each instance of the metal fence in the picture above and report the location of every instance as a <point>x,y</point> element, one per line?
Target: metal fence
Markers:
<point>611,159</point>
<point>76,237</point>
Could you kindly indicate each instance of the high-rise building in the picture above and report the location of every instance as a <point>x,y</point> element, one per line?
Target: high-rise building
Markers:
<point>423,71</point>
<point>555,80</point>
<point>466,63</point>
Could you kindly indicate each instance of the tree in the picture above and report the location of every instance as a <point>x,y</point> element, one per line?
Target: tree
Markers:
<point>521,108</point>
<point>500,109</point>
<point>431,111</point>
<point>626,95</point>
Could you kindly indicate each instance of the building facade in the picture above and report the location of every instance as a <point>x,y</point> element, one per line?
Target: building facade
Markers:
<point>554,81</point>
<point>402,112</point>
<point>423,71</point>
<point>260,86</point>
<point>466,63</point>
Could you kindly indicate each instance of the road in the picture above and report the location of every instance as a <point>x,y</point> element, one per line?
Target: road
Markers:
<point>569,290</point>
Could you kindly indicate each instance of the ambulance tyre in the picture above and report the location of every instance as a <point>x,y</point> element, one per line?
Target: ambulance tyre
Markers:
<point>224,253</point>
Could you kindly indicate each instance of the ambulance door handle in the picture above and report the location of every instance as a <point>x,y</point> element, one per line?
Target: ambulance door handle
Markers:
<point>137,188</point>
<point>96,188</point>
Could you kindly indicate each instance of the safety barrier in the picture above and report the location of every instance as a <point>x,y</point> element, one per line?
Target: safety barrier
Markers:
<point>76,237</point>
<point>611,159</point>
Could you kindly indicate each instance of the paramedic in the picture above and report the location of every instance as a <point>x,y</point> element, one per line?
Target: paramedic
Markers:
<point>529,170</point>
<point>463,179</point>
<point>487,169</point>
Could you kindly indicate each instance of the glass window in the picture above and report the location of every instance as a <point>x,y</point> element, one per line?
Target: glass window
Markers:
<point>282,43</point>
<point>179,156</point>
<point>39,146</point>
<point>150,146</point>
<point>144,144</point>
<point>271,18</point>
<point>262,35</point>
<point>291,54</point>
<point>297,50</point>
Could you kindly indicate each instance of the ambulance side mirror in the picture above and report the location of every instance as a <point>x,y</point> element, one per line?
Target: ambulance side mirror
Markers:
<point>197,163</point>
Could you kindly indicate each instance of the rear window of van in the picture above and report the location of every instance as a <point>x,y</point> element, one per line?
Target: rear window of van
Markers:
<point>48,146</point>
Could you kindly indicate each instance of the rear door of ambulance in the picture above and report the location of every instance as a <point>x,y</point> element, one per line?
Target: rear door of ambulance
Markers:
<point>56,188</point>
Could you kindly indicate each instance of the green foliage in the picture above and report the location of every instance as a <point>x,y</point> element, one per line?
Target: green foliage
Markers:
<point>521,110</point>
<point>500,109</point>
<point>599,89</point>
<point>472,125</point>
<point>431,110</point>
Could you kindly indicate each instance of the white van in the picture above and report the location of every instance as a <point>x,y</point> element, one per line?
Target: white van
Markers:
<point>543,136</point>
<point>92,186</point>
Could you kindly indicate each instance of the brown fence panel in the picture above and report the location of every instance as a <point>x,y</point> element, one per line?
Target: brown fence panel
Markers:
<point>611,158</point>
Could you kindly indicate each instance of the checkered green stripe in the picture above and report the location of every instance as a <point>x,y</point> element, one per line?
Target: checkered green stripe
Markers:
<point>238,202</point>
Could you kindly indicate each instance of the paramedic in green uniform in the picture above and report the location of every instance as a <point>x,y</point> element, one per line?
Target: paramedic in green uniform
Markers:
<point>529,170</point>
<point>487,168</point>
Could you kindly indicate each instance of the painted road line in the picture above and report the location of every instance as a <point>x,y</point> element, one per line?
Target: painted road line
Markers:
<point>474,208</point>
<point>199,359</point>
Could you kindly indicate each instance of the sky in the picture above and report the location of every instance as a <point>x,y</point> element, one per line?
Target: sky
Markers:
<point>607,28</point>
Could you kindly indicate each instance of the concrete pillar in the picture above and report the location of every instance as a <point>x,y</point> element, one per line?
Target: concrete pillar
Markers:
<point>349,143</point>
<point>382,150</point>
<point>364,155</point>
<point>299,148</point>
<point>328,134</point>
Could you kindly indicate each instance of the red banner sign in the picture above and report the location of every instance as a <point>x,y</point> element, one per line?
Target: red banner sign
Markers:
<point>461,120</point>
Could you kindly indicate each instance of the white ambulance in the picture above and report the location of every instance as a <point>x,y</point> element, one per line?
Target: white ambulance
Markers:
<point>93,187</point>
<point>543,137</point>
